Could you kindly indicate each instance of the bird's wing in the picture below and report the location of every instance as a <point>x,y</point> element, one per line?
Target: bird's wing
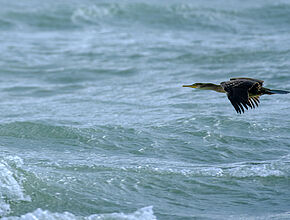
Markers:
<point>238,94</point>
<point>254,100</point>
<point>251,79</point>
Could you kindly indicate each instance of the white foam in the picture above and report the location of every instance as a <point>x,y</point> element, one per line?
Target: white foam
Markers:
<point>94,13</point>
<point>261,170</point>
<point>277,168</point>
<point>11,189</point>
<point>145,213</point>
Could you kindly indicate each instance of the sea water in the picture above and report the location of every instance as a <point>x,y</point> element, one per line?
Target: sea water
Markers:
<point>95,123</point>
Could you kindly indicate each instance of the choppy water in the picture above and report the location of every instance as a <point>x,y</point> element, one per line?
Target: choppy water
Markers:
<point>95,123</point>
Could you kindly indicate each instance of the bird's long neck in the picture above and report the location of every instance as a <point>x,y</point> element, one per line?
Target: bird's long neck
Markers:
<point>211,86</point>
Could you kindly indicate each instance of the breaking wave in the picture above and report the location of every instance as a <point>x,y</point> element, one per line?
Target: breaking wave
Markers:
<point>182,15</point>
<point>11,183</point>
<point>145,213</point>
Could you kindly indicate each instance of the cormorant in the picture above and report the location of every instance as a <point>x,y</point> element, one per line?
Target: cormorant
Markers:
<point>242,92</point>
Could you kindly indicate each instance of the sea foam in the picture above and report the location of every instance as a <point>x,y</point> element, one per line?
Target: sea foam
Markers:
<point>145,213</point>
<point>11,188</point>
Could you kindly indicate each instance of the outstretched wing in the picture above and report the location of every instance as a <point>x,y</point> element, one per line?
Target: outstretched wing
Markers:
<point>238,93</point>
<point>251,79</point>
<point>254,100</point>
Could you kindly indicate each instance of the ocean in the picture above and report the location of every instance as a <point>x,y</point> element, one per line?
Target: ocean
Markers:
<point>95,123</point>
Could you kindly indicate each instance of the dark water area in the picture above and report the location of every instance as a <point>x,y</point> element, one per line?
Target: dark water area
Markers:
<point>95,123</point>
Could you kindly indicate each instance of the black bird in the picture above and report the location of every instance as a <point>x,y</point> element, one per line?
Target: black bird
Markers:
<point>242,92</point>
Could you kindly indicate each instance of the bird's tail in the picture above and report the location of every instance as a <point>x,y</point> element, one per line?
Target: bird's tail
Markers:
<point>274,91</point>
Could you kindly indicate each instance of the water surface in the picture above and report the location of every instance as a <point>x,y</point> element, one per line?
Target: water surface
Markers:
<point>94,123</point>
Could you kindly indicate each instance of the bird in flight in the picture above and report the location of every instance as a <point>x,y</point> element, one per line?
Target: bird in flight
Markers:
<point>242,92</point>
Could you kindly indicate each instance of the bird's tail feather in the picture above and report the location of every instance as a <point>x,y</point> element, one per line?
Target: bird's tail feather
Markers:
<point>273,91</point>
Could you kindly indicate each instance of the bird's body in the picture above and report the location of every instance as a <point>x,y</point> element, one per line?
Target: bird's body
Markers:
<point>242,92</point>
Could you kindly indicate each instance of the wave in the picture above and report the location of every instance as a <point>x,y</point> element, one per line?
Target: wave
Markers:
<point>242,170</point>
<point>102,137</point>
<point>32,15</point>
<point>265,216</point>
<point>271,14</point>
<point>33,130</point>
<point>184,16</point>
<point>261,169</point>
<point>145,213</point>
<point>11,183</point>
<point>177,15</point>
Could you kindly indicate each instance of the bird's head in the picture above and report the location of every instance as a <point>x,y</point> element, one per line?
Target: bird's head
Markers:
<point>200,85</point>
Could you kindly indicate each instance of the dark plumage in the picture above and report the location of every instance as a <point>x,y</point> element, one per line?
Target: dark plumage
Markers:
<point>243,93</point>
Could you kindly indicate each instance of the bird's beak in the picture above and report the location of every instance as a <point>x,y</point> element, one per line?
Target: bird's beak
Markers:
<point>191,86</point>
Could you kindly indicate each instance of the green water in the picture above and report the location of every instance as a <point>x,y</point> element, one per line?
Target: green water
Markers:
<point>95,123</point>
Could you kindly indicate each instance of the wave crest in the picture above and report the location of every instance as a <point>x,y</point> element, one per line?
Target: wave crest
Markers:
<point>11,183</point>
<point>145,213</point>
<point>176,15</point>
